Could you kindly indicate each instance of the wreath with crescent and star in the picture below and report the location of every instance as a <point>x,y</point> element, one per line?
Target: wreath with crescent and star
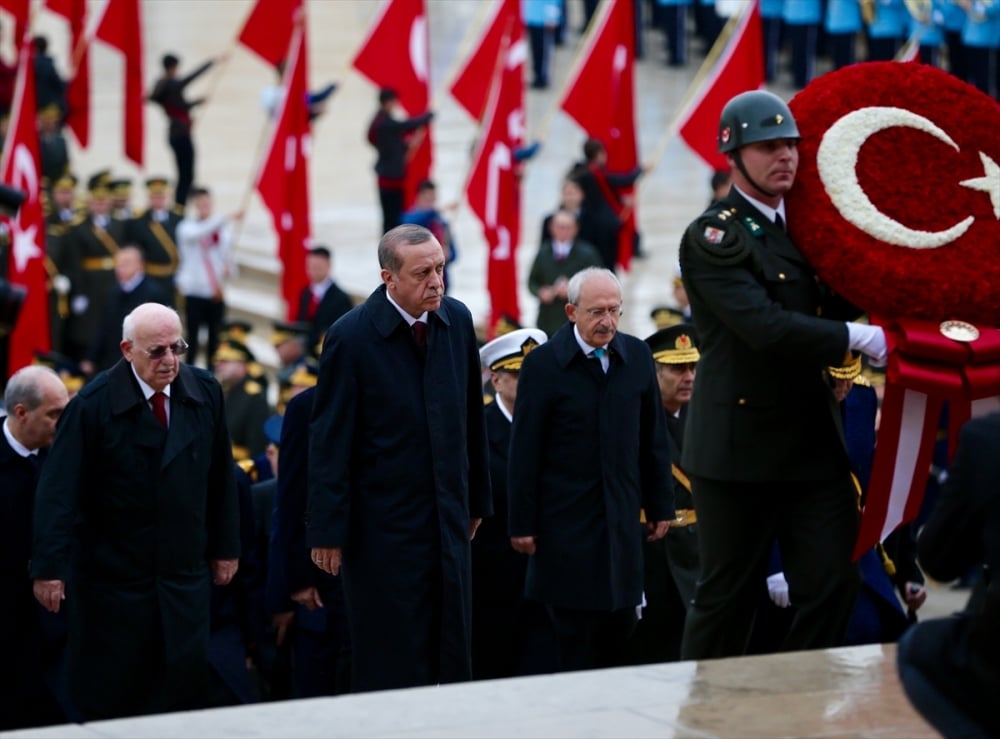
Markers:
<point>897,198</point>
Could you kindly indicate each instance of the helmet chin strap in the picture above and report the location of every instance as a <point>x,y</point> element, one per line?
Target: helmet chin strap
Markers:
<point>738,158</point>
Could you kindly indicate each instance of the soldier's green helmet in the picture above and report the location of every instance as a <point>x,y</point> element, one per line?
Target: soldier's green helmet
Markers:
<point>753,116</point>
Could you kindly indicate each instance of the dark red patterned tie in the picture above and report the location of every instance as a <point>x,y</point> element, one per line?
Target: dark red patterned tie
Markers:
<point>159,401</point>
<point>419,329</point>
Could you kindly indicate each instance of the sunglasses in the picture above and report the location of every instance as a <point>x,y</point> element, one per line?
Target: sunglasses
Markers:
<point>159,352</point>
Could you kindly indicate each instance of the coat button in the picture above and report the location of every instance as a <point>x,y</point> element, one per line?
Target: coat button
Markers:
<point>781,275</point>
<point>742,401</point>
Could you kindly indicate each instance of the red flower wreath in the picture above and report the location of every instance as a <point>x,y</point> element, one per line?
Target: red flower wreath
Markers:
<point>897,203</point>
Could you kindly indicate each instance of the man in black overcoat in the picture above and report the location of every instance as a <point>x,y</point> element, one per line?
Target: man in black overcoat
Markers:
<point>764,445</point>
<point>588,451</point>
<point>136,516</point>
<point>398,471</point>
<point>34,399</point>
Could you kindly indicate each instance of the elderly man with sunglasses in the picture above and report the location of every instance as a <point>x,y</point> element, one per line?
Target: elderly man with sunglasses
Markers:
<point>136,515</point>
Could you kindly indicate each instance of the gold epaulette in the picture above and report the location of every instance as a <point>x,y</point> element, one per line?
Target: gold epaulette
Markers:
<point>487,399</point>
<point>252,387</point>
<point>249,466</point>
<point>242,455</point>
<point>862,381</point>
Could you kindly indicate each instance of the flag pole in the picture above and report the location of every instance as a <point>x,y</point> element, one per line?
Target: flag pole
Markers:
<point>462,51</point>
<point>220,64</point>
<point>670,133</point>
<point>598,19</point>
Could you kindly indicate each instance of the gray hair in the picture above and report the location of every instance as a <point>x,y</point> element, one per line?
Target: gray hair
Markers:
<point>129,324</point>
<point>388,246</point>
<point>24,388</point>
<point>576,282</point>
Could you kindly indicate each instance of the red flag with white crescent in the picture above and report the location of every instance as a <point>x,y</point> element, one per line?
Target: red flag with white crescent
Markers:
<point>494,187</point>
<point>20,169</point>
<point>395,55</point>
<point>606,74</point>
<point>121,28</point>
<point>472,85</point>
<point>78,85</point>
<point>283,180</point>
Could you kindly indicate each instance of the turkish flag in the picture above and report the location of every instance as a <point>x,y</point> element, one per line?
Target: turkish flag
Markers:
<point>472,85</point>
<point>395,55</point>
<point>600,97</point>
<point>78,86</point>
<point>283,180</point>
<point>738,66</point>
<point>20,168</point>
<point>269,27</point>
<point>494,187</point>
<point>20,10</point>
<point>121,28</point>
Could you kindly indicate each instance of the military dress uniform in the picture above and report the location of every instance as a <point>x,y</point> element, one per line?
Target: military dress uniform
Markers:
<point>155,232</point>
<point>89,256</point>
<point>58,221</point>
<point>246,405</point>
<point>670,564</point>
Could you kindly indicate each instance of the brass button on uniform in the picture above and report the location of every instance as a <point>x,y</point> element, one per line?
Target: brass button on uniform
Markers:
<point>742,401</point>
<point>781,275</point>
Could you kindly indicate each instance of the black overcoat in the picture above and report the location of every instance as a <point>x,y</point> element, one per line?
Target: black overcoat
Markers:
<point>588,449</point>
<point>129,515</point>
<point>397,467</point>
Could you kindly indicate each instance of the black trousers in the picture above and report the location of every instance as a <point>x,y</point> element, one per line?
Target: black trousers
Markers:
<point>592,639</point>
<point>815,526</point>
<point>391,199</point>
<point>183,149</point>
<point>203,312</point>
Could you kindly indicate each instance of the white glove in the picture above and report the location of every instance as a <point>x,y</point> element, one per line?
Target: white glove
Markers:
<point>777,588</point>
<point>61,284</point>
<point>870,341</point>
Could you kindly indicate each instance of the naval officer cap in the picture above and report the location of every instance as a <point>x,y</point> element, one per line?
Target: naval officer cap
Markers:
<point>506,353</point>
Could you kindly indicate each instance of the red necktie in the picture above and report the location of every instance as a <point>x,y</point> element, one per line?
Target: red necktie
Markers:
<point>313,306</point>
<point>159,401</point>
<point>420,333</point>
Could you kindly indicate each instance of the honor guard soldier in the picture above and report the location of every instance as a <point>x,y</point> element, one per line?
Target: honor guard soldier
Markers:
<point>120,190</point>
<point>62,212</point>
<point>90,248</point>
<point>671,564</point>
<point>289,341</point>
<point>155,231</point>
<point>246,402</point>
<point>764,432</point>
<point>664,317</point>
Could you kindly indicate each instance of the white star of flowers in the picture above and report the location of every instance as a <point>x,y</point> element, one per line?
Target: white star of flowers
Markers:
<point>25,248</point>
<point>988,183</point>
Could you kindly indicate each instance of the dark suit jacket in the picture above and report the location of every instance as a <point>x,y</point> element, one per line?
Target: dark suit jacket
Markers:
<point>105,350</point>
<point>334,304</point>
<point>546,269</point>
<point>397,468</point>
<point>588,450</point>
<point>290,566</point>
<point>762,410</point>
<point>132,531</point>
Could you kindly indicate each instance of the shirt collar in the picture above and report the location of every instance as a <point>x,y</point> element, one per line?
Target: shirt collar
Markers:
<point>130,285</point>
<point>410,320</point>
<point>503,409</point>
<point>147,391</point>
<point>20,449</point>
<point>767,210</point>
<point>584,346</point>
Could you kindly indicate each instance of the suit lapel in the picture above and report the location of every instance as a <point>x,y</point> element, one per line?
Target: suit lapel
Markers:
<point>185,397</point>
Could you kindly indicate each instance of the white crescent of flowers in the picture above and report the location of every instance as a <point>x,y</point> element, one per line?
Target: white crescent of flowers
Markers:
<point>837,161</point>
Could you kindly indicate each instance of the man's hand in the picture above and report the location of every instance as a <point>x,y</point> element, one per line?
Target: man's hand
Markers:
<point>223,570</point>
<point>916,594</point>
<point>308,597</point>
<point>327,559</point>
<point>546,294</point>
<point>50,593</point>
<point>523,544</point>
<point>281,623</point>
<point>657,529</point>
<point>473,527</point>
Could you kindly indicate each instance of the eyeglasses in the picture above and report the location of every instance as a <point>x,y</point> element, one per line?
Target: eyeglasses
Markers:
<point>159,352</point>
<point>615,311</point>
